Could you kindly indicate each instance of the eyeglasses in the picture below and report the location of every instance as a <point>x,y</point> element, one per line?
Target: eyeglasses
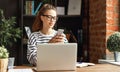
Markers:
<point>49,17</point>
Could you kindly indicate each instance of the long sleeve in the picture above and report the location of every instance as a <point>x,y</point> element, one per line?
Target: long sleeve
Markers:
<point>32,50</point>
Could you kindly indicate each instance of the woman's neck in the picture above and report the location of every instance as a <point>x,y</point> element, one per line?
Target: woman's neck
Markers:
<point>47,31</point>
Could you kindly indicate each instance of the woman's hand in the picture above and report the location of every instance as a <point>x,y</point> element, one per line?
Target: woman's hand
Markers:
<point>57,39</point>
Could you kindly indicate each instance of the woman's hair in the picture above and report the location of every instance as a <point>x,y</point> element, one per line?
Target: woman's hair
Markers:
<point>38,24</point>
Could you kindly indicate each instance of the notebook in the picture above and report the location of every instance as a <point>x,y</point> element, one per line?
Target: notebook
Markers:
<point>56,56</point>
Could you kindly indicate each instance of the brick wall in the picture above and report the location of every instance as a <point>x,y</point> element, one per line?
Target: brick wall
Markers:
<point>112,16</point>
<point>112,20</point>
<point>104,19</point>
<point>97,29</point>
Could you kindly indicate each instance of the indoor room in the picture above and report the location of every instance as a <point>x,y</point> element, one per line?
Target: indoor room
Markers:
<point>90,27</point>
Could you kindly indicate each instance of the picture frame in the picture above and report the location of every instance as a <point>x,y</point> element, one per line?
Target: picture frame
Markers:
<point>60,10</point>
<point>74,7</point>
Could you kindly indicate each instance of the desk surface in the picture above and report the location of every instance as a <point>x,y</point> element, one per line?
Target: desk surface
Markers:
<point>95,68</point>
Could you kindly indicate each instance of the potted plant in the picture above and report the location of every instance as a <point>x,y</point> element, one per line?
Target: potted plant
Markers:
<point>9,33</point>
<point>4,54</point>
<point>113,45</point>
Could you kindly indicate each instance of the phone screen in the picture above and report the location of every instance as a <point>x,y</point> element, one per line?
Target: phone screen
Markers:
<point>60,31</point>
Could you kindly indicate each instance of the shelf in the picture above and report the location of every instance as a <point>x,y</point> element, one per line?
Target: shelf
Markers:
<point>29,15</point>
<point>33,16</point>
<point>69,16</point>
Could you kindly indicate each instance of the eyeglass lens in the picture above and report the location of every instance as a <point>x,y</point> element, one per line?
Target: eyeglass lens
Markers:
<point>49,17</point>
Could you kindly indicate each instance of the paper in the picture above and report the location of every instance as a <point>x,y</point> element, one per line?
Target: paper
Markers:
<point>84,64</point>
<point>20,70</point>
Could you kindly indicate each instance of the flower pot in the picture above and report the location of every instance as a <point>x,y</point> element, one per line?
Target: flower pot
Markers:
<point>3,65</point>
<point>117,56</point>
<point>11,62</point>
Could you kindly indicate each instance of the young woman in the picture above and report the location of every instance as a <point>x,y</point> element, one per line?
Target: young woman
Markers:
<point>43,31</point>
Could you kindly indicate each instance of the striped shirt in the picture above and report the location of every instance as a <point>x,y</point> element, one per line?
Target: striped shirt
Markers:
<point>34,39</point>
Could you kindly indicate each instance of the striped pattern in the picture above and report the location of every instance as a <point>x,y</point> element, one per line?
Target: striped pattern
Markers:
<point>34,39</point>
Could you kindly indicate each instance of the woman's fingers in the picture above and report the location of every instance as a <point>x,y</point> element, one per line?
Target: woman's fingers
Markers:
<point>57,38</point>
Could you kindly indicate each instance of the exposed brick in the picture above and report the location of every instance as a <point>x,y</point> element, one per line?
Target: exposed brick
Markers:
<point>104,20</point>
<point>112,27</point>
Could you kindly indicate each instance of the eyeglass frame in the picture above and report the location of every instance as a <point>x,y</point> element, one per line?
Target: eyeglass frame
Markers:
<point>49,17</point>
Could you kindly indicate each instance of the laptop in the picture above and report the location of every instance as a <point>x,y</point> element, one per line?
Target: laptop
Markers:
<point>56,56</point>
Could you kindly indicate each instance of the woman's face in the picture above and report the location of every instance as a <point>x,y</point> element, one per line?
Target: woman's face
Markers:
<point>49,19</point>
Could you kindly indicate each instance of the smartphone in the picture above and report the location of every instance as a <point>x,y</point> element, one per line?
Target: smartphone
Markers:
<point>60,31</point>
